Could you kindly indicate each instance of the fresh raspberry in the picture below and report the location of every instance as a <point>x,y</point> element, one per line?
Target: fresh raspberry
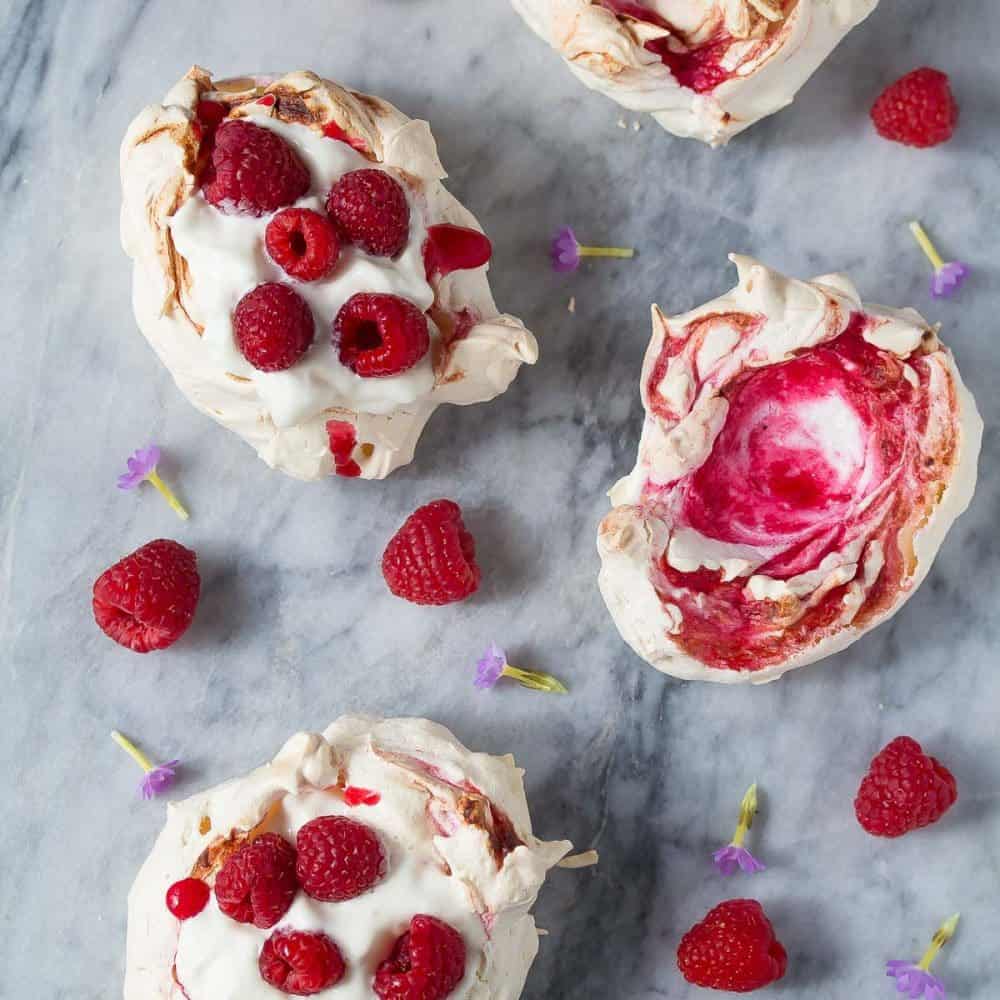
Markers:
<point>919,109</point>
<point>187,898</point>
<point>300,962</point>
<point>454,248</point>
<point>733,948</point>
<point>903,790</point>
<point>339,858</point>
<point>432,558</point>
<point>147,600</point>
<point>371,211</point>
<point>252,171</point>
<point>302,243</point>
<point>274,326</point>
<point>380,335</point>
<point>427,962</point>
<point>257,883</point>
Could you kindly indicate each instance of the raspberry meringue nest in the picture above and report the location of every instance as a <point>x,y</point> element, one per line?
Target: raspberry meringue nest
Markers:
<point>454,828</point>
<point>705,69</point>
<point>193,262</point>
<point>802,458</point>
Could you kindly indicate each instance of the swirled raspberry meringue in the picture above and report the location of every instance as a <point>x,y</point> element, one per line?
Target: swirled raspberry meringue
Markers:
<point>194,260</point>
<point>453,826</point>
<point>706,69</point>
<point>802,458</point>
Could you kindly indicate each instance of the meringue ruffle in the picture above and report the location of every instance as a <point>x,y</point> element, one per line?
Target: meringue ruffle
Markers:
<point>802,458</point>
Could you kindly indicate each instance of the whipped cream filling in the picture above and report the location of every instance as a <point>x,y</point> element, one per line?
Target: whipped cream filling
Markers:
<point>802,457</point>
<point>455,829</point>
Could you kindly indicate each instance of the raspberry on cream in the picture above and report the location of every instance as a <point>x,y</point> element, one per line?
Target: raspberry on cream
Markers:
<point>205,232</point>
<point>802,458</point>
<point>706,69</point>
<point>458,853</point>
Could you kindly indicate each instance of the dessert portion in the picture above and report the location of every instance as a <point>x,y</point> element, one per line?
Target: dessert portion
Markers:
<point>382,858</point>
<point>303,273</point>
<point>802,458</point>
<point>707,69</point>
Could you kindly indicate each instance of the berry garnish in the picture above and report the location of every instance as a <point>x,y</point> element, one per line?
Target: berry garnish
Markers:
<point>919,109</point>
<point>733,948</point>
<point>252,171</point>
<point>257,883</point>
<point>370,210</point>
<point>148,599</point>
<point>432,558</point>
<point>187,898</point>
<point>300,963</point>
<point>273,326</point>
<point>343,437</point>
<point>302,243</point>
<point>210,115</point>
<point>379,335</point>
<point>338,858</point>
<point>454,248</point>
<point>427,962</point>
<point>356,796</point>
<point>904,790</point>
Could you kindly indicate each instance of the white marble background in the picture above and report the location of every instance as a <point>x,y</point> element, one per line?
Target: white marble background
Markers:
<point>296,626</point>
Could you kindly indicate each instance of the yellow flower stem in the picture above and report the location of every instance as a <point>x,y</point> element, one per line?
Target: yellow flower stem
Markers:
<point>535,680</point>
<point>605,252</point>
<point>748,809</point>
<point>133,751</point>
<point>920,234</point>
<point>942,936</point>
<point>168,494</point>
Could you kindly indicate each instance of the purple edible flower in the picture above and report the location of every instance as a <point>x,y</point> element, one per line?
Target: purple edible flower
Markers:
<point>140,465</point>
<point>489,667</point>
<point>567,251</point>
<point>158,780</point>
<point>731,858</point>
<point>948,279</point>
<point>914,982</point>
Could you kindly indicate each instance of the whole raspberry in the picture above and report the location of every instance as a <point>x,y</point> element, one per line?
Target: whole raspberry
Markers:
<point>300,962</point>
<point>338,858</point>
<point>302,243</point>
<point>252,171</point>
<point>274,326</point>
<point>257,883</point>
<point>187,898</point>
<point>371,211</point>
<point>919,109</point>
<point>147,600</point>
<point>379,335</point>
<point>427,962</point>
<point>903,790</point>
<point>432,558</point>
<point>733,948</point>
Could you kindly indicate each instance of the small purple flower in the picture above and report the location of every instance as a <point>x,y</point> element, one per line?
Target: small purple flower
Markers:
<point>140,465</point>
<point>565,251</point>
<point>914,982</point>
<point>158,780</point>
<point>490,667</point>
<point>731,858</point>
<point>948,279</point>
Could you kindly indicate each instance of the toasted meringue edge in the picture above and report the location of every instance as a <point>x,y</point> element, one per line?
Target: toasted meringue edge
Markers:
<point>606,53</point>
<point>308,761</point>
<point>158,160</point>
<point>627,543</point>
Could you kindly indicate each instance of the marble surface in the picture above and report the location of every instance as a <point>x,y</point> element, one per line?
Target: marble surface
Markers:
<point>296,627</point>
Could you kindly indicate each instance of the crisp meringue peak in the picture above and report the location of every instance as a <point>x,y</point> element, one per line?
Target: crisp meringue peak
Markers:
<point>706,69</point>
<point>452,825</point>
<point>199,253</point>
<point>802,458</point>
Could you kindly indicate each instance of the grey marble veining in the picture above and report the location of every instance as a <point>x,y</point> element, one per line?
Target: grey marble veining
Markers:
<point>295,626</point>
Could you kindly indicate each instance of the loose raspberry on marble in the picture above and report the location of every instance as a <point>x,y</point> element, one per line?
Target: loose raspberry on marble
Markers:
<point>379,335</point>
<point>338,858</point>
<point>733,948</point>
<point>302,243</point>
<point>300,963</point>
<point>370,210</point>
<point>252,170</point>
<point>427,962</point>
<point>273,326</point>
<point>187,898</point>
<point>919,109</point>
<point>147,600</point>
<point>454,248</point>
<point>257,883</point>
<point>432,558</point>
<point>904,790</point>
